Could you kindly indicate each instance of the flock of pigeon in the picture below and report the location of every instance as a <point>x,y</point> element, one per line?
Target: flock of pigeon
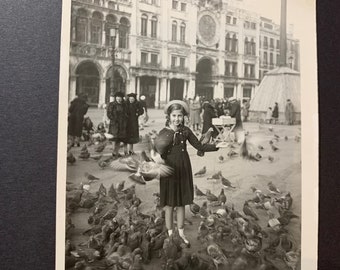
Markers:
<point>121,236</point>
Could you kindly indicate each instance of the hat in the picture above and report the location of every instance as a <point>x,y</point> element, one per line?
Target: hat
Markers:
<point>180,102</point>
<point>232,99</point>
<point>132,95</point>
<point>142,97</point>
<point>119,94</point>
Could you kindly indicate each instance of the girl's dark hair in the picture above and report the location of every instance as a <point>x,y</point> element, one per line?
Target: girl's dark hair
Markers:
<point>172,108</point>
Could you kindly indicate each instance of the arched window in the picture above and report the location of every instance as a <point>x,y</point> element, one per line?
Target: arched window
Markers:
<point>174,31</point>
<point>124,29</point>
<point>227,43</point>
<point>182,37</point>
<point>96,28</point>
<point>154,26</point>
<point>252,47</point>
<point>144,25</point>
<point>246,44</point>
<point>234,44</point>
<point>81,25</point>
<point>110,21</point>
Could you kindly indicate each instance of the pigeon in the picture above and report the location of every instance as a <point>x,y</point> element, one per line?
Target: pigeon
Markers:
<point>211,197</point>
<point>204,210</point>
<point>203,231</point>
<point>286,138</point>
<point>260,147</point>
<point>271,129</point>
<point>206,137</point>
<point>112,193</point>
<point>222,198</point>
<point>201,172</point>
<point>270,158</point>
<point>274,148</point>
<point>137,177</point>
<point>145,157</point>
<point>102,164</point>
<point>288,201</point>
<point>84,148</point>
<point>84,155</point>
<point>100,147</point>
<point>272,188</point>
<point>120,186</point>
<point>271,142</point>
<point>248,211</point>
<point>276,136</point>
<point>292,259</point>
<point>297,138</point>
<point>70,158</point>
<point>91,177</point>
<point>221,159</point>
<point>257,155</point>
<point>232,154</point>
<point>226,183</point>
<point>217,255</point>
<point>194,208</point>
<point>102,190</point>
<point>215,176</point>
<point>198,192</point>
<point>96,158</point>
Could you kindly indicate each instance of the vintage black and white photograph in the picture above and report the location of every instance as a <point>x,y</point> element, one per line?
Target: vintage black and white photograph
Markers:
<point>183,132</point>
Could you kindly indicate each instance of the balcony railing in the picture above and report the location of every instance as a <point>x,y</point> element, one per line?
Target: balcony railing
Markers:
<point>229,74</point>
<point>150,65</point>
<point>179,69</point>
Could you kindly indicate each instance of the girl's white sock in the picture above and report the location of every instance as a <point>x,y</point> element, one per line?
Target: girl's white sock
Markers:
<point>181,234</point>
<point>169,232</point>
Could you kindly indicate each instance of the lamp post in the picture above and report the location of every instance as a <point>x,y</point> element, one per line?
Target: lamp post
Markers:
<point>113,35</point>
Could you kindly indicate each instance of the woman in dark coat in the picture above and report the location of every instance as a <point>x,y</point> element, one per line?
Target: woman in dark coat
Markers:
<point>234,107</point>
<point>77,110</point>
<point>134,111</point>
<point>275,114</point>
<point>117,112</point>
<point>208,114</point>
<point>177,190</point>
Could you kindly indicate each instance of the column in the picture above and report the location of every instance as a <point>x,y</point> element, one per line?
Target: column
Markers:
<point>191,88</point>
<point>239,91</point>
<point>252,91</point>
<point>72,90</point>
<point>167,90</point>
<point>103,33</point>
<point>162,92</point>
<point>132,85</point>
<point>138,86</point>
<point>157,94</point>
<point>219,89</point>
<point>102,92</point>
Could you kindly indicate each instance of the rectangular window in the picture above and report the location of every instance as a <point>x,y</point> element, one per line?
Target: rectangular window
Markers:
<point>153,28</point>
<point>173,61</point>
<point>228,19</point>
<point>182,62</point>
<point>234,21</point>
<point>96,2</point>
<point>253,25</point>
<point>246,24</point>
<point>252,71</point>
<point>247,92</point>
<point>271,43</point>
<point>278,44</point>
<point>96,34</point>
<point>144,26</point>
<point>174,4</point>
<point>265,42</point>
<point>271,59</point>
<point>154,2</point>
<point>277,59</point>
<point>265,58</point>
<point>143,58</point>
<point>228,91</point>
<point>183,6</point>
<point>230,69</point>
<point>154,59</point>
<point>112,5</point>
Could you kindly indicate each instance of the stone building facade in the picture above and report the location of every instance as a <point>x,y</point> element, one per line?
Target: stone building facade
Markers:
<point>166,50</point>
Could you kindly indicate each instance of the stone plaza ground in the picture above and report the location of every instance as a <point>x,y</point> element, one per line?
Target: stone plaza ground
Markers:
<point>284,172</point>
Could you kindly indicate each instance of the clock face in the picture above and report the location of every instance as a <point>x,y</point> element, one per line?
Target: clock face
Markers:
<point>207,30</point>
<point>207,27</point>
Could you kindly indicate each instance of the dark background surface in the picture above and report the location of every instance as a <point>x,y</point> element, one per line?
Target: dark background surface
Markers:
<point>29,83</point>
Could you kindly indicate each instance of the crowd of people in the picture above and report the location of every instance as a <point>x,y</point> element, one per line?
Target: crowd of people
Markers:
<point>126,115</point>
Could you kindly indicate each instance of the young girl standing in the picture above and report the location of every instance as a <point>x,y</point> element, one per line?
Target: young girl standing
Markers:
<point>177,190</point>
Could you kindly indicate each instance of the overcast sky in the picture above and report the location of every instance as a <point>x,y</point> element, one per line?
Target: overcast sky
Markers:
<point>298,12</point>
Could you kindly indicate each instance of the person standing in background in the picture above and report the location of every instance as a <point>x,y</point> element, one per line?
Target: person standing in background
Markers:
<point>76,112</point>
<point>195,111</point>
<point>289,112</point>
<point>118,114</point>
<point>145,118</point>
<point>235,112</point>
<point>245,110</point>
<point>135,110</point>
<point>275,115</point>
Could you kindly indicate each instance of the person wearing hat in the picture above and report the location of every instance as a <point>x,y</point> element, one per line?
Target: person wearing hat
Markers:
<point>275,114</point>
<point>145,117</point>
<point>117,112</point>
<point>289,112</point>
<point>177,189</point>
<point>76,112</point>
<point>234,108</point>
<point>134,109</point>
<point>208,114</point>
